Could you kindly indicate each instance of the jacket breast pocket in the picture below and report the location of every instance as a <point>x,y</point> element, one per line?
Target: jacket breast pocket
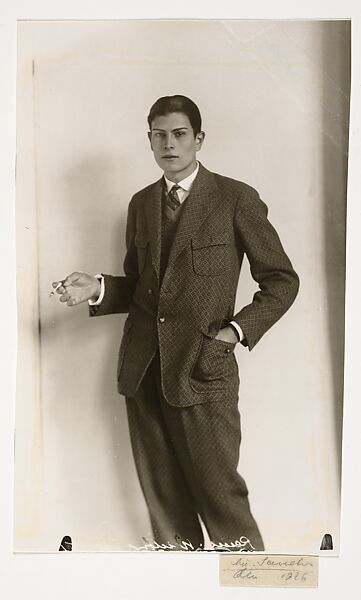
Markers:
<point>141,244</point>
<point>211,255</point>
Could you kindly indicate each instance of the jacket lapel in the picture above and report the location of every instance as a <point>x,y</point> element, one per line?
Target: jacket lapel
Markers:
<point>153,210</point>
<point>202,200</point>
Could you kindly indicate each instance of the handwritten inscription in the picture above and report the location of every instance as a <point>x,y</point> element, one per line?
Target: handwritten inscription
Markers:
<point>242,544</point>
<point>269,570</point>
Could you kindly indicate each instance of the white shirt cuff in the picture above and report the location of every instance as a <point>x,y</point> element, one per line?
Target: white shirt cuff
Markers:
<point>238,329</point>
<point>102,291</point>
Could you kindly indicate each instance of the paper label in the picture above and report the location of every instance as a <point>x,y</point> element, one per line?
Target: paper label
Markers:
<point>268,570</point>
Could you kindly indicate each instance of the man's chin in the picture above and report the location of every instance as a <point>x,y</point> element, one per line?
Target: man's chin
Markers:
<point>171,165</point>
<point>172,169</point>
<point>176,167</point>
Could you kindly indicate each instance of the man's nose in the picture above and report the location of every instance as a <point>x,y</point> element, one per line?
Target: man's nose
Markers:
<point>169,141</point>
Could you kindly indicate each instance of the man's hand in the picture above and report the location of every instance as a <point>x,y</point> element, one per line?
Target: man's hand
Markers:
<point>77,287</point>
<point>227,334</point>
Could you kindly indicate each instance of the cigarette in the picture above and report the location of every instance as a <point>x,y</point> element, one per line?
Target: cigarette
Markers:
<point>56,288</point>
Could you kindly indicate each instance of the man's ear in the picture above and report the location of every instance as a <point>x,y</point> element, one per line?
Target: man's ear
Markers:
<point>149,134</point>
<point>199,140</point>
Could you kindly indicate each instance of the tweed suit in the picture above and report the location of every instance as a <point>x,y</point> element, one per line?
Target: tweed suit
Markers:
<point>221,221</point>
<point>181,384</point>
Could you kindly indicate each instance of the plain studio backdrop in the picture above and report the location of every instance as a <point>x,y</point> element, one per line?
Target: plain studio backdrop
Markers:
<point>274,97</point>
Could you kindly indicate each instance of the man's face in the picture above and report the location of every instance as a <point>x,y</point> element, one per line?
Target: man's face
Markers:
<point>174,145</point>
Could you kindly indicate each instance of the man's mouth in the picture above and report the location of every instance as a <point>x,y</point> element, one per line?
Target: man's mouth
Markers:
<point>169,156</point>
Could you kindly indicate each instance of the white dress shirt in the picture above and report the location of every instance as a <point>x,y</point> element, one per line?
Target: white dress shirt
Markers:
<point>185,187</point>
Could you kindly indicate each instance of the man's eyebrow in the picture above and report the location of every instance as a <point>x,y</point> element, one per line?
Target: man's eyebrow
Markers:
<point>175,129</point>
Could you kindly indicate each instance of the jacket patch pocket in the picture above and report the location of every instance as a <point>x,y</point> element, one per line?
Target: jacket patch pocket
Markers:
<point>215,367</point>
<point>211,255</point>
<point>141,244</point>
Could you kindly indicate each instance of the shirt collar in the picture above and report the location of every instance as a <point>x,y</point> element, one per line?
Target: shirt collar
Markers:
<point>186,183</point>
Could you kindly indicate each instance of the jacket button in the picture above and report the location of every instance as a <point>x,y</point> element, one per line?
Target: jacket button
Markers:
<point>228,350</point>
<point>150,291</point>
<point>161,319</point>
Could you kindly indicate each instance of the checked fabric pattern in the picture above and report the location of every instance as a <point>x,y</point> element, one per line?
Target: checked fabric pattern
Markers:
<point>187,465</point>
<point>176,311</point>
<point>181,384</point>
<point>170,218</point>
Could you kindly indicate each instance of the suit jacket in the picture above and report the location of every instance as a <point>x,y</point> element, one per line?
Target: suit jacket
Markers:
<point>221,220</point>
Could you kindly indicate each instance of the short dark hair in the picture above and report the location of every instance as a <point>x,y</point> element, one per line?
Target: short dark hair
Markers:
<point>177,103</point>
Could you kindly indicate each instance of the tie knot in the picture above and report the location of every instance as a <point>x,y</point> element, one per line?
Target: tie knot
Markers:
<point>172,197</point>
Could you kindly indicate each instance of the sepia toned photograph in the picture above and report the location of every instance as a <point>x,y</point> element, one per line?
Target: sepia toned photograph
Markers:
<point>181,237</point>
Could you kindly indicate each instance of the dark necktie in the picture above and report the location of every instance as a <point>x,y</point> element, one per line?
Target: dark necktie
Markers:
<point>172,197</point>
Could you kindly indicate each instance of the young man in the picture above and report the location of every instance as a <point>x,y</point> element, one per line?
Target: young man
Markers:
<point>186,237</point>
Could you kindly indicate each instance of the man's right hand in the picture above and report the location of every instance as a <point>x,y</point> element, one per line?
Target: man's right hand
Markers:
<point>78,287</point>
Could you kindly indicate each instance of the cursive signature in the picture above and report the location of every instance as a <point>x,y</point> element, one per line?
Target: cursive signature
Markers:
<point>154,545</point>
<point>241,544</point>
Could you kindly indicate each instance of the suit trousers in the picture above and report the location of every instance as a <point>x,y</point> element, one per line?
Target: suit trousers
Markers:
<point>186,459</point>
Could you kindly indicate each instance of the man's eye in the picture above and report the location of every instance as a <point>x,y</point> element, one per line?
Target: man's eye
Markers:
<point>179,133</point>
